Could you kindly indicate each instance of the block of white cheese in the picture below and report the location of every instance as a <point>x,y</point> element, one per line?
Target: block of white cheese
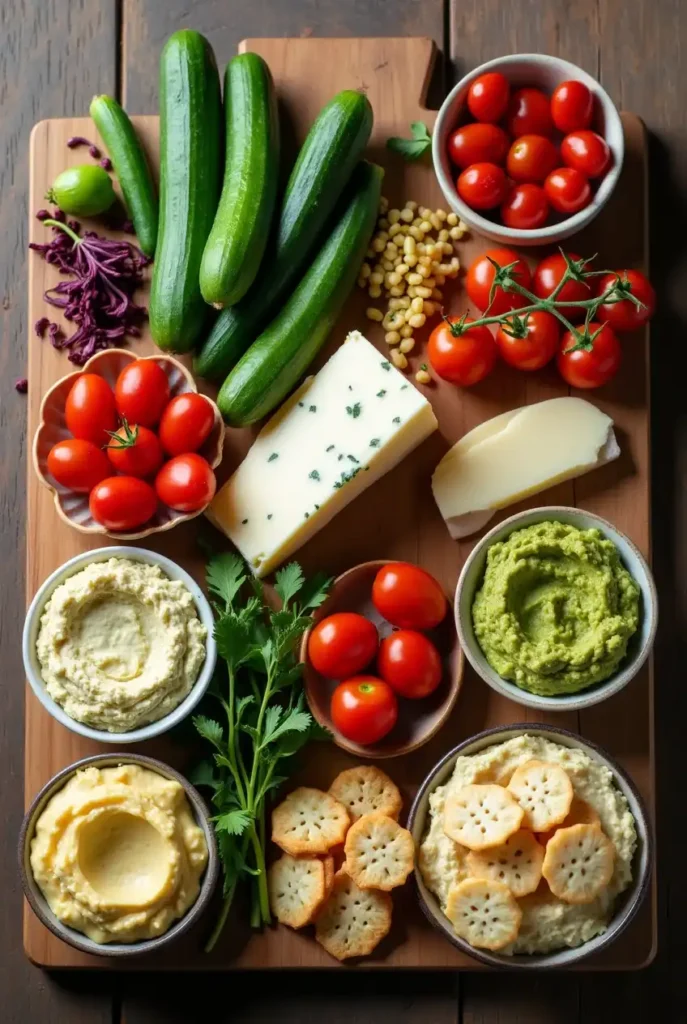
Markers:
<point>338,433</point>
<point>518,454</point>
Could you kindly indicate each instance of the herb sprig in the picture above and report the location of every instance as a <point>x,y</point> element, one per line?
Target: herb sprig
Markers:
<point>414,148</point>
<point>264,722</point>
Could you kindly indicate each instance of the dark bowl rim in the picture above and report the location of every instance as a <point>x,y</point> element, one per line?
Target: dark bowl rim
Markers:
<point>528,961</point>
<point>70,935</point>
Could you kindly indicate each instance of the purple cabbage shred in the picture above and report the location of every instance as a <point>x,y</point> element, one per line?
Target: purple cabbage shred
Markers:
<point>94,151</point>
<point>78,140</point>
<point>21,385</point>
<point>106,163</point>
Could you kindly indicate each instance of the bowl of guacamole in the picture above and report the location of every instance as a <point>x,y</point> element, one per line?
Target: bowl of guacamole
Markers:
<point>556,609</point>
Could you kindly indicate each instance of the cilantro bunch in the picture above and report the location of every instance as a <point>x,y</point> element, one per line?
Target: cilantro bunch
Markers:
<point>263,721</point>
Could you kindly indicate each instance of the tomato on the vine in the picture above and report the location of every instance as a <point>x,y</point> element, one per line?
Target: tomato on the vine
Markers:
<point>142,392</point>
<point>78,464</point>
<point>186,483</point>
<point>480,278</point>
<point>625,315</point>
<point>135,451</point>
<point>568,190</point>
<point>482,186</point>
<point>463,359</point>
<point>525,207</point>
<point>572,106</point>
<point>592,364</point>
<point>488,97</point>
<point>548,275</point>
<point>342,645</point>
<point>531,158</point>
<point>537,348</point>
<point>364,709</point>
<point>408,597</point>
<point>587,152</point>
<point>410,663</point>
<point>186,423</point>
<point>90,410</point>
<point>478,143</point>
<point>122,502</point>
<point>529,113</point>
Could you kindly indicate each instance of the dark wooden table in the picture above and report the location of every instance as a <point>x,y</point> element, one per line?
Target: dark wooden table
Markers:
<point>54,55</point>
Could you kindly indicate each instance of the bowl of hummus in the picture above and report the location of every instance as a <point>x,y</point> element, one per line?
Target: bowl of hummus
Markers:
<point>118,644</point>
<point>118,855</point>
<point>556,609</point>
<point>556,896</point>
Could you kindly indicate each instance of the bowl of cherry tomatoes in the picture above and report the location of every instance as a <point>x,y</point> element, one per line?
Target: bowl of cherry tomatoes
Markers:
<point>128,446</point>
<point>381,662</point>
<point>527,149</point>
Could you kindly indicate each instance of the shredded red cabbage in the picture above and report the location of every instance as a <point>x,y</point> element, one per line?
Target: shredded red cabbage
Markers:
<point>104,274</point>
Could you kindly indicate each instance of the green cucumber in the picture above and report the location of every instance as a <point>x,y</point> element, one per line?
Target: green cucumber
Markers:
<point>235,248</point>
<point>274,363</point>
<point>325,163</point>
<point>190,172</point>
<point>131,167</point>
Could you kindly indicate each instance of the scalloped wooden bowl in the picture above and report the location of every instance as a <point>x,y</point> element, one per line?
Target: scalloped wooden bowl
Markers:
<point>73,508</point>
<point>418,720</point>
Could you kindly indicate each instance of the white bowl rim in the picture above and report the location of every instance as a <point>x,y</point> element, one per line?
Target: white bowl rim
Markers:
<point>551,232</point>
<point>634,894</point>
<point>30,631</point>
<point>600,691</point>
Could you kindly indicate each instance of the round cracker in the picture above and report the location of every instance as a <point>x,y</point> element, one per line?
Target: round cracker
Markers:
<point>517,863</point>
<point>309,821</point>
<point>580,813</point>
<point>484,912</point>
<point>366,789</point>
<point>578,863</point>
<point>379,853</point>
<point>481,816</point>
<point>296,888</point>
<point>353,920</point>
<point>544,792</point>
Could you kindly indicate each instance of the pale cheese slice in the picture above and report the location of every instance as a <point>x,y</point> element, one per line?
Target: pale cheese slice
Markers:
<point>518,454</point>
<point>339,432</point>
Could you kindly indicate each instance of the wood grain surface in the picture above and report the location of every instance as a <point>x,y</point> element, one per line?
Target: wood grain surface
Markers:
<point>50,64</point>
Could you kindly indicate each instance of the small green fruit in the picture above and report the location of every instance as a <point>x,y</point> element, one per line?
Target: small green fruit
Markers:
<point>83,191</point>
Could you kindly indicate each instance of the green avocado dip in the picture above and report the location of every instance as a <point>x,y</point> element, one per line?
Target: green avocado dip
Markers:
<point>556,608</point>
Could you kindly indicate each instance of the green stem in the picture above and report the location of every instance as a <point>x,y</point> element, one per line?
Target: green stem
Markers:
<point>49,222</point>
<point>263,895</point>
<point>221,920</point>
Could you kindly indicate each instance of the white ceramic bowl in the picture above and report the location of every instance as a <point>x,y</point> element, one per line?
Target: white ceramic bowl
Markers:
<point>628,902</point>
<point>77,939</point>
<point>640,644</point>
<point>32,665</point>
<point>536,69</point>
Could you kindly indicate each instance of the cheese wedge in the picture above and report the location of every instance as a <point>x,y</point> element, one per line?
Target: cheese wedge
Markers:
<point>338,433</point>
<point>518,454</point>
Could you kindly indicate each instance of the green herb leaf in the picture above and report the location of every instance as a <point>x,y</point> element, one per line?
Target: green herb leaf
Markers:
<point>314,475</point>
<point>415,147</point>
<point>289,581</point>
<point>209,729</point>
<point>233,638</point>
<point>354,410</point>
<point>203,774</point>
<point>273,456</point>
<point>234,822</point>
<point>225,575</point>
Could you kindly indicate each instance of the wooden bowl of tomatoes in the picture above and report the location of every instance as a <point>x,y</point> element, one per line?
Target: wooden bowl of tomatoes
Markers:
<point>527,149</point>
<point>382,663</point>
<point>128,446</point>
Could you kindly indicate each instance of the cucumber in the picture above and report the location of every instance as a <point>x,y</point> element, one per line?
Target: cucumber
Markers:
<point>131,167</point>
<point>325,163</point>
<point>274,363</point>
<point>190,169</point>
<point>239,234</point>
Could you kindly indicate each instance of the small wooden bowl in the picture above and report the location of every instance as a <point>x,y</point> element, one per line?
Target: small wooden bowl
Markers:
<point>418,720</point>
<point>72,507</point>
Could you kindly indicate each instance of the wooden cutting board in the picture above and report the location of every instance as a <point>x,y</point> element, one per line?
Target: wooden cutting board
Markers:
<point>394,519</point>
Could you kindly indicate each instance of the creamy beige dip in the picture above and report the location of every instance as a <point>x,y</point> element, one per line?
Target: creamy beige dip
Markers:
<point>117,853</point>
<point>547,922</point>
<point>120,644</point>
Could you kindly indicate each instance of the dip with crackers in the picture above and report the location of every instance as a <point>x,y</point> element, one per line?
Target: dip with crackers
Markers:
<point>528,846</point>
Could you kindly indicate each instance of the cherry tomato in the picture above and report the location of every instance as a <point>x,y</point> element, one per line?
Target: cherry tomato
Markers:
<point>364,709</point>
<point>135,451</point>
<point>122,502</point>
<point>478,143</point>
<point>482,186</point>
<point>186,423</point>
<point>409,663</point>
<point>342,645</point>
<point>90,409</point>
<point>529,113</point>
<point>488,97</point>
<point>625,315</point>
<point>572,106</point>
<point>587,152</point>
<point>463,359</point>
<point>531,158</point>
<point>525,207</point>
<point>142,392</point>
<point>78,464</point>
<point>480,278</point>
<point>407,596</point>
<point>590,367</point>
<point>535,350</point>
<point>547,276</point>
<point>567,190</point>
<point>186,483</point>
